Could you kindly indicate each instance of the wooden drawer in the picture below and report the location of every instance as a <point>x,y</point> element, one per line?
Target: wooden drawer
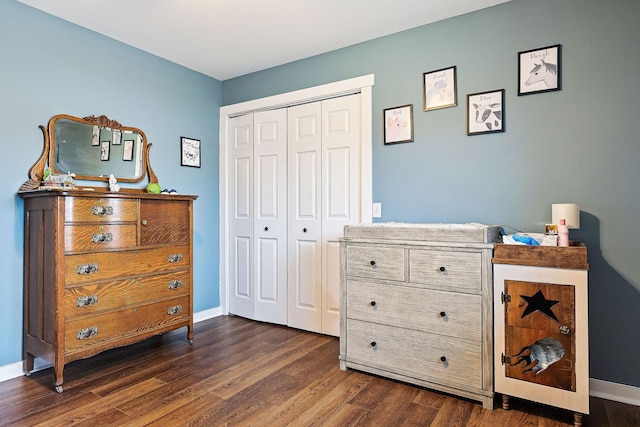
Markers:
<point>444,313</point>
<point>84,268</point>
<point>415,354</point>
<point>376,262</point>
<point>92,209</point>
<point>97,237</point>
<point>90,299</point>
<point>91,331</point>
<point>446,269</point>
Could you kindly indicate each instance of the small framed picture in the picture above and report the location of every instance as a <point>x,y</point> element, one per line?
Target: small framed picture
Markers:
<point>485,112</point>
<point>398,124</point>
<point>190,152</point>
<point>439,89</point>
<point>104,150</point>
<point>117,137</point>
<point>95,137</point>
<point>539,70</point>
<point>127,150</point>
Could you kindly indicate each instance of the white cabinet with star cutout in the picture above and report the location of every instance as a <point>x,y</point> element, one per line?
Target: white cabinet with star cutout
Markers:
<point>541,348</point>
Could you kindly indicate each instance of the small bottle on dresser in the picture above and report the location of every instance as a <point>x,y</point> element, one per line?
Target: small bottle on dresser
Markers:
<point>563,233</point>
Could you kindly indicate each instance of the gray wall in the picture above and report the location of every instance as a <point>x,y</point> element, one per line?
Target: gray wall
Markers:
<point>48,67</point>
<point>580,144</point>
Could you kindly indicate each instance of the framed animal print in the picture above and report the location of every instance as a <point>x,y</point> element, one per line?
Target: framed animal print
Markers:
<point>485,112</point>
<point>439,89</point>
<point>398,124</point>
<point>539,70</point>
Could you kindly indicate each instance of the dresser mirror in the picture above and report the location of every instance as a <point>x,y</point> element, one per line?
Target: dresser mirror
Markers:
<point>92,148</point>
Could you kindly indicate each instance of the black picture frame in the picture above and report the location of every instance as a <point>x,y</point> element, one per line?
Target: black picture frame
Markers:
<point>398,124</point>
<point>189,152</point>
<point>439,89</point>
<point>105,148</point>
<point>540,70</point>
<point>485,112</point>
<point>127,150</point>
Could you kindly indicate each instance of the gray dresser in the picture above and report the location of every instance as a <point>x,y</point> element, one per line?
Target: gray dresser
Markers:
<point>416,305</point>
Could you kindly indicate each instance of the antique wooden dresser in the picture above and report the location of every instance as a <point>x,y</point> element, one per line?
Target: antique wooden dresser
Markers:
<point>103,270</point>
<point>416,305</point>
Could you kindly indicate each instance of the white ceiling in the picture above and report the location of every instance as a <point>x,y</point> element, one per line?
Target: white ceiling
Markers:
<point>229,38</point>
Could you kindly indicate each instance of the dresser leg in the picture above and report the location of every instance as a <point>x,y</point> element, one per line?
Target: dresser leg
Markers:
<point>505,402</point>
<point>28,364</point>
<point>577,419</point>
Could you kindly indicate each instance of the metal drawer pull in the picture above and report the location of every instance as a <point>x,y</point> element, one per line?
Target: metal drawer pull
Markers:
<point>101,237</point>
<point>84,334</point>
<point>102,210</point>
<point>86,301</point>
<point>87,268</point>
<point>176,309</point>
<point>175,257</point>
<point>175,284</point>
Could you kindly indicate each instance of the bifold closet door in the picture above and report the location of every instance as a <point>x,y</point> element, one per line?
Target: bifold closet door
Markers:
<point>258,203</point>
<point>324,182</point>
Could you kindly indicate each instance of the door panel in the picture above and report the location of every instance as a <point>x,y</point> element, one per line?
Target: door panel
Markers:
<point>340,195</point>
<point>270,222</point>
<point>241,216</point>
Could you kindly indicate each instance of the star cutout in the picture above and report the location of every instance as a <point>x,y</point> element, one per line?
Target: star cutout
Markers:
<point>539,303</point>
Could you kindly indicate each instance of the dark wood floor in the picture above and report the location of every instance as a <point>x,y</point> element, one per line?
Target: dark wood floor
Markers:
<point>245,373</point>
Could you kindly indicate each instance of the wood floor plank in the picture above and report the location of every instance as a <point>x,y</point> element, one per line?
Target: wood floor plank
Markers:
<point>245,373</point>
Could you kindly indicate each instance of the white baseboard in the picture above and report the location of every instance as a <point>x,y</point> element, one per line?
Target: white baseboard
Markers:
<point>613,391</point>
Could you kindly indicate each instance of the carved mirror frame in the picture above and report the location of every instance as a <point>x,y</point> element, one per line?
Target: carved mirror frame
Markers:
<point>47,158</point>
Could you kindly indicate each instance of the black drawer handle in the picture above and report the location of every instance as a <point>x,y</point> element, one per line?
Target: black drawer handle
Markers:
<point>373,344</point>
<point>443,269</point>
<point>373,262</point>
<point>443,359</point>
<point>304,230</point>
<point>443,314</point>
<point>266,229</point>
<point>373,303</point>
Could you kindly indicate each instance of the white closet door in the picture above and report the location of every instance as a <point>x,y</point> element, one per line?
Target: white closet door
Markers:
<point>240,211</point>
<point>324,196</point>
<point>340,195</point>
<point>305,225</point>
<point>270,215</point>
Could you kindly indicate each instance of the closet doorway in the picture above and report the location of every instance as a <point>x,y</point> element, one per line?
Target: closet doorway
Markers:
<point>294,169</point>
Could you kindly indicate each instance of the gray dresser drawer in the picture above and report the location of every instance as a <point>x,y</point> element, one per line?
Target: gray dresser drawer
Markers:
<point>376,262</point>
<point>415,354</point>
<point>443,313</point>
<point>448,269</point>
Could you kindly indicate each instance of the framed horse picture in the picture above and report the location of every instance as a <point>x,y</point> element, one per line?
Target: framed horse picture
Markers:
<point>539,70</point>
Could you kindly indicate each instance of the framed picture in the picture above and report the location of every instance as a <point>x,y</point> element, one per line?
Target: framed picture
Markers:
<point>539,70</point>
<point>190,149</point>
<point>127,150</point>
<point>485,112</point>
<point>117,137</point>
<point>95,137</point>
<point>104,150</point>
<point>398,124</point>
<point>439,89</point>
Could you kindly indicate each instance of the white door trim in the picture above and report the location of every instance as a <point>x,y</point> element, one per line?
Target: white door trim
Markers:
<point>362,85</point>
